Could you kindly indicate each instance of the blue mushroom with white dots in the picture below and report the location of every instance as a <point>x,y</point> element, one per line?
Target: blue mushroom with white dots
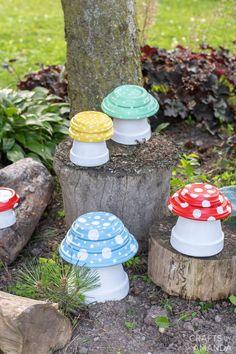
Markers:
<point>99,240</point>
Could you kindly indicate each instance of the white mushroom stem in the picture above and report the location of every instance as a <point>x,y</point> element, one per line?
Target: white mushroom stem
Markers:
<point>7,218</point>
<point>114,285</point>
<point>130,131</point>
<point>89,154</point>
<point>197,238</point>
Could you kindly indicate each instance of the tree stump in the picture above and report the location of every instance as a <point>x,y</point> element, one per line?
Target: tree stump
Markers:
<point>134,184</point>
<point>31,327</point>
<point>34,184</point>
<point>205,279</point>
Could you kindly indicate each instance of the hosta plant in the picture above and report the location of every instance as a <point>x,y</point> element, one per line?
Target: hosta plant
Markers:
<point>32,123</point>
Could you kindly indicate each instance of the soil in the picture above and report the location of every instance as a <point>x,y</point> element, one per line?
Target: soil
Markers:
<point>128,326</point>
<point>159,151</point>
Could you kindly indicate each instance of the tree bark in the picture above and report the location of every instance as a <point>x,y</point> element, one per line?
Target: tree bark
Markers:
<point>134,184</point>
<point>102,49</point>
<point>31,327</point>
<point>205,279</point>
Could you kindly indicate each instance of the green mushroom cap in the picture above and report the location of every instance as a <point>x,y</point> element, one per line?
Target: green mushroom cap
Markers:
<point>130,102</point>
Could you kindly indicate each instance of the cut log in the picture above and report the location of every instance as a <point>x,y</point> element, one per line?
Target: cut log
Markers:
<point>34,184</point>
<point>133,185</point>
<point>31,327</point>
<point>205,279</point>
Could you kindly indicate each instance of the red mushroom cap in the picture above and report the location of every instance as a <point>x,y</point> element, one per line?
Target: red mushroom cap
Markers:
<point>8,199</point>
<point>200,201</point>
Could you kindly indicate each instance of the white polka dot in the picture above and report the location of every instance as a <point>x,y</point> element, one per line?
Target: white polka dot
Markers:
<point>184,191</point>
<point>82,255</point>
<point>133,247</point>
<point>93,235</point>
<point>229,209</point>
<point>111,218</point>
<point>95,222</point>
<point>184,205</point>
<point>208,186</point>
<point>197,213</point>
<point>97,217</point>
<point>211,218</point>
<point>221,198</point>
<point>106,253</point>
<point>119,240</point>
<point>206,195</point>
<point>114,260</point>
<point>193,195</point>
<point>82,220</point>
<point>219,210</point>
<point>211,192</point>
<point>206,203</point>
<point>92,246</point>
<point>106,224</point>
<point>119,253</point>
<point>175,195</point>
<point>170,206</point>
<point>198,190</point>
<point>99,260</point>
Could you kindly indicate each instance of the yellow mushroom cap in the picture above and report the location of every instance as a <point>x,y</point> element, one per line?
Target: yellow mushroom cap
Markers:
<point>91,126</point>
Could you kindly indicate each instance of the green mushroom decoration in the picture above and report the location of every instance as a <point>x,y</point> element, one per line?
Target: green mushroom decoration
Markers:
<point>130,106</point>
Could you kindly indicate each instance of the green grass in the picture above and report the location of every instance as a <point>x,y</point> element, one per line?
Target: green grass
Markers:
<point>33,32</point>
<point>191,22</point>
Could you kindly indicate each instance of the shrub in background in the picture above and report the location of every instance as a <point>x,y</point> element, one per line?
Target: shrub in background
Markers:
<point>200,85</point>
<point>186,84</point>
<point>32,123</point>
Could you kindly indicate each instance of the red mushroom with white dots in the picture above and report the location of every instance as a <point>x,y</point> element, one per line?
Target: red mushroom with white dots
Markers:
<point>200,207</point>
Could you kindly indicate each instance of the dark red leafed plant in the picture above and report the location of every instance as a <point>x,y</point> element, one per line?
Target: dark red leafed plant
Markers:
<point>52,77</point>
<point>201,85</point>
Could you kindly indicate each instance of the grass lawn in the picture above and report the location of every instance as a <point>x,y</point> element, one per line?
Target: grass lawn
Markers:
<point>191,22</point>
<point>32,32</point>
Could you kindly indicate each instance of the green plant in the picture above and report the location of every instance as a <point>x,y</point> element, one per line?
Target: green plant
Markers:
<point>187,171</point>
<point>130,325</point>
<point>132,262</point>
<point>185,317</point>
<point>201,350</point>
<point>167,305</point>
<point>232,299</point>
<point>61,213</point>
<point>205,306</point>
<point>162,322</point>
<point>52,280</point>
<point>31,124</point>
<point>161,127</point>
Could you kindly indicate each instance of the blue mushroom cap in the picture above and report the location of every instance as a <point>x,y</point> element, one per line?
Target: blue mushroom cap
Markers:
<point>96,240</point>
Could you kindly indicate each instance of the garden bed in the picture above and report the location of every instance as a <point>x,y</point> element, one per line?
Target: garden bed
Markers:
<point>128,326</point>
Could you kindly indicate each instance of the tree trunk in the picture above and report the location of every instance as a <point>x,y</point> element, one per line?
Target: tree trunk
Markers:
<point>205,279</point>
<point>134,184</point>
<point>31,327</point>
<point>102,49</point>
